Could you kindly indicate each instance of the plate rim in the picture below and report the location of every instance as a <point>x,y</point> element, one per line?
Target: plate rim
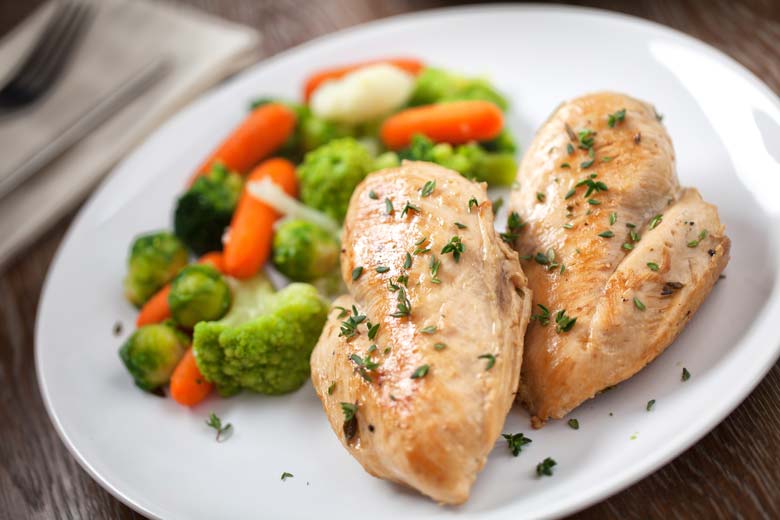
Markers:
<point>642,468</point>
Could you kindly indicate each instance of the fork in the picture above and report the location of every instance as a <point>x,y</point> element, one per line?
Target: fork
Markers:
<point>45,62</point>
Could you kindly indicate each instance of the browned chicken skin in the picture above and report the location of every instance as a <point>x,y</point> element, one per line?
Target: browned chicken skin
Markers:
<point>433,396</point>
<point>614,242</point>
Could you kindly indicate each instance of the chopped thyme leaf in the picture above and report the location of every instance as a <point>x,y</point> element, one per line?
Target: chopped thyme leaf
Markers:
<point>430,329</point>
<point>439,346</point>
<point>593,202</point>
<point>545,467</point>
<point>612,218</point>
<point>404,306</point>
<point>286,475</point>
<point>460,226</point>
<point>372,330</point>
<point>655,221</point>
<point>568,225</point>
<point>563,323</point>
<point>565,165</point>
<point>513,226</point>
<point>685,374</point>
<point>617,117</point>
<point>409,207</point>
<point>574,424</point>
<point>570,193</point>
<point>435,265</point>
<point>223,432</point>
<point>650,404</point>
<point>607,234</point>
<point>349,327</point>
<point>356,272</point>
<point>428,188</point>
<point>515,442</point>
<point>408,261</point>
<point>586,138</point>
<point>454,246</point>
<point>586,164</point>
<point>491,360</point>
<point>634,236</point>
<point>331,388</point>
<point>540,196</point>
<point>372,348</point>
<point>670,287</point>
<point>382,269</point>
<point>653,266</point>
<point>497,204</point>
<point>606,159</point>
<point>630,225</point>
<point>350,419</point>
<point>569,148</point>
<point>472,202</point>
<point>421,250</point>
<point>343,312</point>
<point>421,241</point>
<point>544,315</point>
<point>372,195</point>
<point>702,236</point>
<point>387,350</point>
<point>388,206</point>
<point>420,372</point>
<point>627,246</point>
<point>638,304</point>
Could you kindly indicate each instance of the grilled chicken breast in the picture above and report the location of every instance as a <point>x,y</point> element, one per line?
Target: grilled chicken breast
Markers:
<point>433,384</point>
<point>614,243</point>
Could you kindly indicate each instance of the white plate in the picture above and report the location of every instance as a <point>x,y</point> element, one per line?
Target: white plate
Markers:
<point>162,460</point>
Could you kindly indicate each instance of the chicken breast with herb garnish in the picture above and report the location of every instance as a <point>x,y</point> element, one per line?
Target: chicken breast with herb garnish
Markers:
<point>618,256</point>
<point>418,365</point>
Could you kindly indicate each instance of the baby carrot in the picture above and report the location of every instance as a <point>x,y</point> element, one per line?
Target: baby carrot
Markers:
<point>259,135</point>
<point>410,65</point>
<point>156,309</point>
<point>188,386</point>
<point>456,122</point>
<point>249,238</point>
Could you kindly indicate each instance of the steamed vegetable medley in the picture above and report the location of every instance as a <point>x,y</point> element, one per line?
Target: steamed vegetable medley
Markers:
<point>275,194</point>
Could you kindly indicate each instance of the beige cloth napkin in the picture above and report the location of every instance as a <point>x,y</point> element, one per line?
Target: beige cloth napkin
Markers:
<point>125,36</point>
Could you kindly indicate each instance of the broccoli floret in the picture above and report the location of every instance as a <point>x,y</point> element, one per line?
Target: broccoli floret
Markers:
<point>303,251</point>
<point>470,160</point>
<point>264,342</point>
<point>205,210</point>
<point>329,175</point>
<point>198,293</point>
<point>151,354</point>
<point>435,85</point>
<point>154,260</point>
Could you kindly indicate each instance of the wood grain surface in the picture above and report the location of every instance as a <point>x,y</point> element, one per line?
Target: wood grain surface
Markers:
<point>734,472</point>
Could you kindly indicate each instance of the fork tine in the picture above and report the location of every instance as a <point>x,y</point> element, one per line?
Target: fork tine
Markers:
<point>54,61</point>
<point>46,41</point>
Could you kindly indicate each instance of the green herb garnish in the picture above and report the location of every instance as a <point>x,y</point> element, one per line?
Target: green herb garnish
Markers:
<point>545,467</point>
<point>223,431</point>
<point>655,221</point>
<point>653,266</point>
<point>356,272</point>
<point>638,304</point>
<point>428,188</point>
<point>650,404</point>
<point>388,206</point>
<point>574,424</point>
<point>515,442</point>
<point>607,234</point>
<point>617,117</point>
<point>491,360</point>
<point>685,374</point>
<point>287,475</point>
<point>563,323</point>
<point>454,246</point>
<point>430,329</point>
<point>420,372</point>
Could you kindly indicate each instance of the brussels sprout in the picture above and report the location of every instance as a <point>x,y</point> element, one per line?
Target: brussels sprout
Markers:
<point>151,354</point>
<point>205,210</point>
<point>154,260</point>
<point>198,293</point>
<point>303,251</point>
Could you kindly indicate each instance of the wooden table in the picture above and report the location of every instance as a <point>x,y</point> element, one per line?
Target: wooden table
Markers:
<point>733,472</point>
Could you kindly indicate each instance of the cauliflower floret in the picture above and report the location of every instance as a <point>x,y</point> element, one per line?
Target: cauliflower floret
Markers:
<point>363,95</point>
